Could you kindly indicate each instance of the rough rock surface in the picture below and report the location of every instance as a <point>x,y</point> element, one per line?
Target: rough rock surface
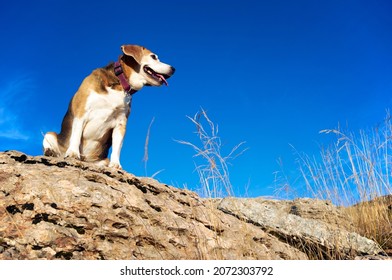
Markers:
<point>56,209</point>
<point>51,208</point>
<point>316,226</point>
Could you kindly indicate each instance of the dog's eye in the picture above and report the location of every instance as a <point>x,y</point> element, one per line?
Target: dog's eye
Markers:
<point>153,56</point>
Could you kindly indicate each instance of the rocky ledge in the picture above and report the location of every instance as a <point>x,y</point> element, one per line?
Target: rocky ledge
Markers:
<point>52,208</point>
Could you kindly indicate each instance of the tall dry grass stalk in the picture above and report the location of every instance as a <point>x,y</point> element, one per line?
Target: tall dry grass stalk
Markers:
<point>212,166</point>
<point>145,157</point>
<point>356,172</point>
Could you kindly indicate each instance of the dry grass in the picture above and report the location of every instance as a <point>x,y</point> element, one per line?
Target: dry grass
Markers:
<point>374,220</point>
<point>211,165</point>
<point>145,157</point>
<point>355,172</point>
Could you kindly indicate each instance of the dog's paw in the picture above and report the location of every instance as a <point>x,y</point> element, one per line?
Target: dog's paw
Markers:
<point>115,165</point>
<point>50,153</point>
<point>72,154</point>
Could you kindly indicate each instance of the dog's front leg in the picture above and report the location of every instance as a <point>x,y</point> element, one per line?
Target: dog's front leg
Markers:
<point>117,141</point>
<point>73,150</point>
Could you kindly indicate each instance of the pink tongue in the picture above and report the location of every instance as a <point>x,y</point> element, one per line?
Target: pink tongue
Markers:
<point>162,78</point>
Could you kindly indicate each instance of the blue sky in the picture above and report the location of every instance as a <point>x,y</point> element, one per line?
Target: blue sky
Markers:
<point>271,73</point>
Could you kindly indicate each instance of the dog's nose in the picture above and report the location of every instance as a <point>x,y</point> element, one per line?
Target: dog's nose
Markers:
<point>172,69</point>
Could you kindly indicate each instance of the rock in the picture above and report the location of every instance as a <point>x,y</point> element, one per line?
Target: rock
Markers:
<point>52,208</point>
<point>315,227</point>
<point>55,208</point>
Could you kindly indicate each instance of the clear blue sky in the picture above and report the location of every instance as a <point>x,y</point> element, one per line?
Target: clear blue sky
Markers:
<point>271,73</point>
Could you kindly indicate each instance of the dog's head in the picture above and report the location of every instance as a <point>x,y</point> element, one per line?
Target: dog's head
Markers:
<point>145,67</point>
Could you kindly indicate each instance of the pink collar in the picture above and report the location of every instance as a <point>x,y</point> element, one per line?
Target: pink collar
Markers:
<point>118,71</point>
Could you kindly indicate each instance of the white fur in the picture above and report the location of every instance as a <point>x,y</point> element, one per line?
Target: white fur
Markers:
<point>156,65</point>
<point>76,136</point>
<point>117,141</point>
<point>105,112</point>
<point>50,143</point>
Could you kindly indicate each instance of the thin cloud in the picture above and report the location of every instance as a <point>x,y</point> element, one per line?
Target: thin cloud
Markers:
<point>14,134</point>
<point>12,93</point>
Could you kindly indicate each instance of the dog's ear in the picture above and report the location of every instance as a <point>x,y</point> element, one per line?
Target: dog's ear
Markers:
<point>134,51</point>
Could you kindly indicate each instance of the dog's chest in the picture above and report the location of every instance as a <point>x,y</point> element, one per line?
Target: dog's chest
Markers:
<point>107,107</point>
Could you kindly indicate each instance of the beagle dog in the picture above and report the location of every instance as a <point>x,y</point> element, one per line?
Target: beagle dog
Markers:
<point>97,114</point>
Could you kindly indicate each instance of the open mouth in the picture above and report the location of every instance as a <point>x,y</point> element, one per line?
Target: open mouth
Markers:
<point>161,78</point>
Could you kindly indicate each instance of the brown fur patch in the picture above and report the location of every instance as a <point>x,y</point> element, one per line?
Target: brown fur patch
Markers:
<point>137,52</point>
<point>98,81</point>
